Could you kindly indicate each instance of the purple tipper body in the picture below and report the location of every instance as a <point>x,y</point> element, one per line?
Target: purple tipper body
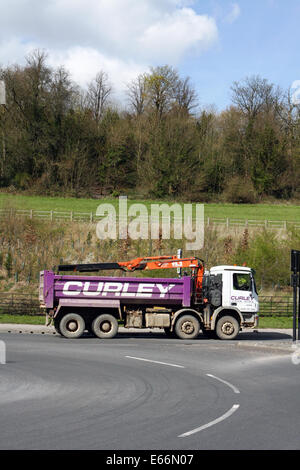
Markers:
<point>92,291</point>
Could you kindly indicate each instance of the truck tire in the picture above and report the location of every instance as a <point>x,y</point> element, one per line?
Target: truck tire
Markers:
<point>187,327</point>
<point>105,326</point>
<point>71,325</point>
<point>227,327</point>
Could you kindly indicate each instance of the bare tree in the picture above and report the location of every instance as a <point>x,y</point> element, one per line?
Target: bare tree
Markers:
<point>289,111</point>
<point>253,95</point>
<point>161,89</point>
<point>63,91</point>
<point>185,95</point>
<point>136,92</point>
<point>99,91</point>
<point>161,85</point>
<point>38,74</point>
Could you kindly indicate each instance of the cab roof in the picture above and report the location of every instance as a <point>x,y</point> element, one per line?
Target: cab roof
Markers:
<point>230,268</point>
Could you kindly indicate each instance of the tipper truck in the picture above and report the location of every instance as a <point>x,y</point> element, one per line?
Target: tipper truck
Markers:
<point>219,302</point>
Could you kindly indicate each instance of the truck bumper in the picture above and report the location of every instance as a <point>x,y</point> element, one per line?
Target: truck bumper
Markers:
<point>251,322</point>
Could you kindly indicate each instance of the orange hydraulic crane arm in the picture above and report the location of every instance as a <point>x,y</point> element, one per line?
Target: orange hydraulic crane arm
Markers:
<point>160,262</point>
<point>167,262</point>
<point>148,263</point>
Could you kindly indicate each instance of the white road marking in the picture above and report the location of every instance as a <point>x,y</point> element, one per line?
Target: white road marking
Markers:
<point>212,423</point>
<point>236,390</point>
<point>155,362</point>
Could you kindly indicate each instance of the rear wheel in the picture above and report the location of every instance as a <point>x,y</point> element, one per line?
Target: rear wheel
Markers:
<point>187,327</point>
<point>105,326</point>
<point>71,325</point>
<point>227,327</point>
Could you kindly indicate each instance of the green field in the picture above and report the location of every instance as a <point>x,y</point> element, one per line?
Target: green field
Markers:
<point>287,212</point>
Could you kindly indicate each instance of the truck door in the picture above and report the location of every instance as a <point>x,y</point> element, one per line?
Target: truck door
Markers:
<point>243,294</point>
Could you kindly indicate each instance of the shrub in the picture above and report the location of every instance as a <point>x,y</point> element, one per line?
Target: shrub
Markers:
<point>240,190</point>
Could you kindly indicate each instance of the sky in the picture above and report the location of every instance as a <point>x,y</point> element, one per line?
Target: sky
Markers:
<point>214,42</point>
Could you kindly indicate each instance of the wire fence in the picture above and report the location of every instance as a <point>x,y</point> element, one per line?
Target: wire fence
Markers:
<point>28,304</point>
<point>275,306</point>
<point>92,217</point>
<point>19,304</point>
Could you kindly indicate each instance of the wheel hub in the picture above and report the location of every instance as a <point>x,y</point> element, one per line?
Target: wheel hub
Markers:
<point>228,328</point>
<point>72,325</point>
<point>187,327</point>
<point>105,326</point>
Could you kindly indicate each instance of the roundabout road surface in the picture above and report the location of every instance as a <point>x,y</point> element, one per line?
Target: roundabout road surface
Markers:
<point>141,391</point>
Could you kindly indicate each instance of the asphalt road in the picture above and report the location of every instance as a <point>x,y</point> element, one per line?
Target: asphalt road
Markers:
<point>141,391</point>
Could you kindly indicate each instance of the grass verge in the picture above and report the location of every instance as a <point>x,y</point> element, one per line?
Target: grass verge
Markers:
<point>22,319</point>
<point>264,322</point>
<point>275,322</point>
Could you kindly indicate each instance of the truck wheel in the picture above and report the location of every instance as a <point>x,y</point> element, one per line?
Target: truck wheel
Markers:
<point>71,325</point>
<point>105,326</point>
<point>187,327</point>
<point>227,328</point>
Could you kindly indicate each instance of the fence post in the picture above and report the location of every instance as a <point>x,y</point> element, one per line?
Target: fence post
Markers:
<point>31,213</point>
<point>271,306</point>
<point>71,216</point>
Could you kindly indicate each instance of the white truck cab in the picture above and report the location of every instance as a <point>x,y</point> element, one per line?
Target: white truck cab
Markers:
<point>238,287</point>
<point>231,293</point>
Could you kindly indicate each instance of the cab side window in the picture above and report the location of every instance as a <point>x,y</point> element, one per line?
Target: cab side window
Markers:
<point>241,281</point>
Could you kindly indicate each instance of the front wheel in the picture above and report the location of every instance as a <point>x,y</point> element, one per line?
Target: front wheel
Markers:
<point>105,326</point>
<point>187,327</point>
<point>227,328</point>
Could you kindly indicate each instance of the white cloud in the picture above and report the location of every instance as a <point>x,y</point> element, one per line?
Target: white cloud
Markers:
<point>122,37</point>
<point>84,63</point>
<point>178,32</point>
<point>234,13</point>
